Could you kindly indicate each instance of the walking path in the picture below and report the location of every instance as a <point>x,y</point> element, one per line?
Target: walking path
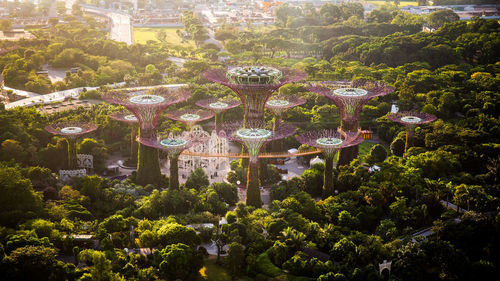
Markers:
<point>34,99</point>
<point>428,231</point>
<point>452,206</point>
<point>21,93</point>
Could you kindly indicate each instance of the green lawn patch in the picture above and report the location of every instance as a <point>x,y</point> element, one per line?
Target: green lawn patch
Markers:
<point>364,148</point>
<point>298,278</point>
<point>212,272</point>
<point>266,267</point>
<point>144,34</point>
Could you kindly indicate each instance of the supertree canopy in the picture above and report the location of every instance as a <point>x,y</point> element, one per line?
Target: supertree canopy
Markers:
<point>280,103</point>
<point>254,135</point>
<point>71,131</point>
<point>254,85</point>
<point>173,145</point>
<point>190,117</point>
<point>411,120</point>
<point>329,141</point>
<point>147,106</point>
<point>218,106</point>
<point>350,101</point>
<point>129,118</point>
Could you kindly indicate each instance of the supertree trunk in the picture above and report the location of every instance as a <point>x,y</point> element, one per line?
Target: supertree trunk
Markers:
<point>328,177</point>
<point>133,145</point>
<point>217,120</point>
<point>409,138</point>
<point>148,163</point>
<point>277,145</point>
<point>411,120</point>
<point>346,155</point>
<point>253,186</point>
<point>72,162</point>
<point>174,171</point>
<point>263,162</point>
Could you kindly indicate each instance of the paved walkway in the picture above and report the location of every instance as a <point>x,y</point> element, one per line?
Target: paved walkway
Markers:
<point>55,74</point>
<point>34,99</point>
<point>428,231</point>
<point>21,93</point>
<point>452,206</point>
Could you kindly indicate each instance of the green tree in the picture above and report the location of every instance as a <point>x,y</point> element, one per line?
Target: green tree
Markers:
<point>5,25</point>
<point>98,151</point>
<point>18,201</point>
<point>472,197</point>
<point>177,261</point>
<point>235,258</point>
<point>43,228</point>
<point>33,263</point>
<point>398,147</point>
<point>172,233</point>
<point>12,149</point>
<point>197,179</point>
<point>101,268</point>
<point>440,17</point>
<point>284,12</point>
<point>344,251</point>
<point>377,153</point>
<point>294,239</point>
<point>313,180</point>
<point>148,239</point>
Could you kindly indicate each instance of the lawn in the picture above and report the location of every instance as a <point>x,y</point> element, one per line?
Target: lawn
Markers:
<point>266,267</point>
<point>143,34</point>
<point>364,148</point>
<point>212,272</point>
<point>401,4</point>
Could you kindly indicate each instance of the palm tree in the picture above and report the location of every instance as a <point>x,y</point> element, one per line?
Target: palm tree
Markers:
<point>293,238</point>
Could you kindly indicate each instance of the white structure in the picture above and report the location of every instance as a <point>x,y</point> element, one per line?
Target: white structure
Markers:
<point>293,151</point>
<point>66,175</point>
<point>85,161</point>
<point>385,265</point>
<point>214,167</point>
<point>316,160</point>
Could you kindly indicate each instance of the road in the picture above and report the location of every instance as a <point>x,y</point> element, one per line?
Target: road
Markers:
<point>212,39</point>
<point>69,6</point>
<point>178,61</point>
<point>121,26</point>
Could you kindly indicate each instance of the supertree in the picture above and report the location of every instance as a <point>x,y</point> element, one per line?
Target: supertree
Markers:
<point>329,141</point>
<point>218,106</point>
<point>173,145</point>
<point>71,131</point>
<point>190,117</point>
<point>127,117</point>
<point>254,85</point>
<point>253,136</point>
<point>410,120</point>
<point>350,101</point>
<point>147,106</point>
<point>280,103</point>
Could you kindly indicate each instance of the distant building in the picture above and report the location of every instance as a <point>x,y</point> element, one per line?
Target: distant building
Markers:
<point>15,34</point>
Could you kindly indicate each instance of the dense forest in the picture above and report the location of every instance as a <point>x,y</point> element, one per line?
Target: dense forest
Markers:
<point>453,73</point>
